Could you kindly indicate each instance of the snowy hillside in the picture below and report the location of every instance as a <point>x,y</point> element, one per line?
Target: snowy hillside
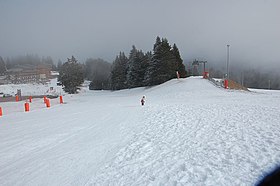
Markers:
<point>189,132</point>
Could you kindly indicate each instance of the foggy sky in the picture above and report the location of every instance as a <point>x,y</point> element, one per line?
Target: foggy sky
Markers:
<point>102,28</point>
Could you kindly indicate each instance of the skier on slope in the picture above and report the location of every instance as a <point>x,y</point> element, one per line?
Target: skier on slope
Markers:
<point>143,101</point>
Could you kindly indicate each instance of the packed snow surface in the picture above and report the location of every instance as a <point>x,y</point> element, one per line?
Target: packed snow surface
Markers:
<point>189,132</point>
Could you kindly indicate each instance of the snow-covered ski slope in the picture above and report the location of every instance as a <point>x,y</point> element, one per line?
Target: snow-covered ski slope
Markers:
<point>189,132</point>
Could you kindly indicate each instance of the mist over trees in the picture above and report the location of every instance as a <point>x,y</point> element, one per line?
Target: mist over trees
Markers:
<point>98,72</point>
<point>137,70</point>
<point>147,69</point>
<point>151,68</point>
<point>250,77</point>
<point>29,60</point>
<point>257,79</point>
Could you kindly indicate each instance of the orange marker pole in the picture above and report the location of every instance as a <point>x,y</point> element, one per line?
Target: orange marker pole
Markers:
<point>1,113</point>
<point>30,99</point>
<point>226,84</point>
<point>17,98</point>
<point>48,104</point>
<point>60,99</point>
<point>26,106</point>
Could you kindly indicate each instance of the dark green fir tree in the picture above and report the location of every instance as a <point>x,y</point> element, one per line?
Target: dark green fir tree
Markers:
<point>71,75</point>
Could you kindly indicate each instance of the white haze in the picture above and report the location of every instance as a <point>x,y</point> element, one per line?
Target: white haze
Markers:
<point>100,29</point>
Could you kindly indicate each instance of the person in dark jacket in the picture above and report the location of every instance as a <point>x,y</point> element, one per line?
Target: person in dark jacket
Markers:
<point>143,101</point>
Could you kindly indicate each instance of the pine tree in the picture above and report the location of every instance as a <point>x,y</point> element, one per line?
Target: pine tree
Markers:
<point>145,61</point>
<point>152,73</point>
<point>71,75</point>
<point>131,65</point>
<point>157,43</point>
<point>119,72</point>
<point>162,66</point>
<point>180,67</point>
<point>136,68</point>
<point>168,60</point>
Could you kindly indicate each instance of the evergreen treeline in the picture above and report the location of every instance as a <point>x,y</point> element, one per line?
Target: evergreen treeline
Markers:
<point>147,69</point>
<point>137,70</point>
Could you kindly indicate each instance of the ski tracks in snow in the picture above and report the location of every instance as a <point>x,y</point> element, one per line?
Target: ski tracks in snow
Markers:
<point>188,133</point>
<point>208,144</point>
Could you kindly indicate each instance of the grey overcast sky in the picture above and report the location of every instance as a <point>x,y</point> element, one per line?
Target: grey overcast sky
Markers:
<point>102,28</point>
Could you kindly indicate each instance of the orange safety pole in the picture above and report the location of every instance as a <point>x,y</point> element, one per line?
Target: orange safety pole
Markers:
<point>30,99</point>
<point>17,98</point>
<point>1,113</point>
<point>26,106</point>
<point>48,104</point>
<point>226,83</point>
<point>60,99</point>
